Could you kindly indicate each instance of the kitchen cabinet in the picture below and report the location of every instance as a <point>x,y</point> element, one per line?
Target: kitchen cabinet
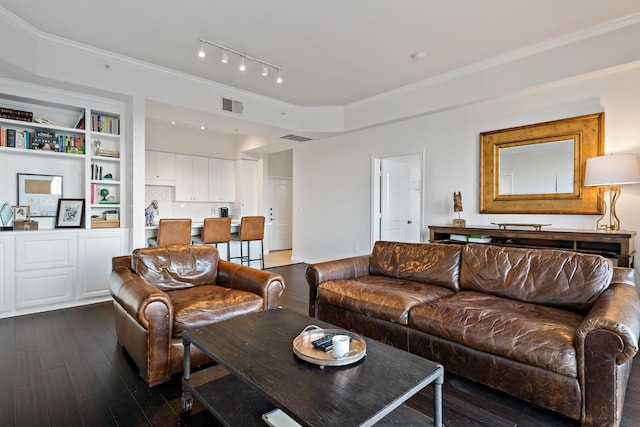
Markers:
<point>160,168</point>
<point>192,178</point>
<point>247,187</point>
<point>222,180</point>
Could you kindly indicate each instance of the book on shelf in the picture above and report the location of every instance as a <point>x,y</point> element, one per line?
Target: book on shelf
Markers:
<point>20,141</point>
<point>11,114</point>
<point>79,124</point>
<point>11,138</point>
<point>479,238</point>
<point>105,124</point>
<point>109,153</point>
<point>3,137</point>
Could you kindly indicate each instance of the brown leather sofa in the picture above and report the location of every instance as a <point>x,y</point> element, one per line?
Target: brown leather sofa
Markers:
<point>558,329</point>
<point>160,292</point>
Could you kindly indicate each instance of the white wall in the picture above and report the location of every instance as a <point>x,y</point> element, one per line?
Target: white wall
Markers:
<point>281,164</point>
<point>332,186</point>
<point>161,136</point>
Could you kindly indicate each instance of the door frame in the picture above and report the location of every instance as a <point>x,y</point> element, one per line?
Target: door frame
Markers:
<point>376,190</point>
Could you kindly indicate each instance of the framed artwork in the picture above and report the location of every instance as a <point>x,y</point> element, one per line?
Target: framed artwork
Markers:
<point>70,213</point>
<point>40,192</point>
<point>21,213</point>
<point>6,214</point>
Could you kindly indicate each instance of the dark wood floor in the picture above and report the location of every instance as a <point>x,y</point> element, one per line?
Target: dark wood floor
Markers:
<point>63,368</point>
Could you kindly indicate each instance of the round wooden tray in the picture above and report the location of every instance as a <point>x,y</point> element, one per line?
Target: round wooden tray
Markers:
<point>303,348</point>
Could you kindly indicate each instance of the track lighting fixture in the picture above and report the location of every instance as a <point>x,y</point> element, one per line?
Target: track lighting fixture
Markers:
<point>243,58</point>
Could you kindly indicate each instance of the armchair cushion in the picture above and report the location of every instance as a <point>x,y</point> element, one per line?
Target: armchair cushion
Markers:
<point>176,267</point>
<point>209,304</point>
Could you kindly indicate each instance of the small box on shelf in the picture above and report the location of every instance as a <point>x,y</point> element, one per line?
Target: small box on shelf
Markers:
<point>25,225</point>
<point>104,223</point>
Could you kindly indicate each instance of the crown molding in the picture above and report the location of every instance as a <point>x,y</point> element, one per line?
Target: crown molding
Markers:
<point>108,56</point>
<point>547,45</point>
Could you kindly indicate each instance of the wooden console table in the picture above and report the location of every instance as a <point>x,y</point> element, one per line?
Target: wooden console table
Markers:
<point>617,245</point>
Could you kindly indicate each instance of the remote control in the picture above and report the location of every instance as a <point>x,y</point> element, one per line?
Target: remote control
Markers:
<point>323,342</point>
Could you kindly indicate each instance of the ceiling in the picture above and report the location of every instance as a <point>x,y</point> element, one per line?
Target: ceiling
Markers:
<point>332,52</point>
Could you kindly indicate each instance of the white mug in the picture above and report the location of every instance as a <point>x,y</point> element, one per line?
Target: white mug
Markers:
<point>340,345</point>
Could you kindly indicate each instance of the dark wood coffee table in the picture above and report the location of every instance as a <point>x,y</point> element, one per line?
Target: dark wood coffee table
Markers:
<point>257,372</point>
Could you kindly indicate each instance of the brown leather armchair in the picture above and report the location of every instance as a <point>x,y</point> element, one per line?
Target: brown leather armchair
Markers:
<point>160,292</point>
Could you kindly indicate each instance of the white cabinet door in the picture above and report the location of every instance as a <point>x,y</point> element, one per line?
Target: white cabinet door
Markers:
<point>95,251</point>
<point>247,188</point>
<point>201,179</point>
<point>192,178</point>
<point>222,180</point>
<point>160,168</point>
<point>44,265</point>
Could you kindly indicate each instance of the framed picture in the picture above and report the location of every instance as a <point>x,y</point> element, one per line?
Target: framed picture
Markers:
<point>40,192</point>
<point>21,213</point>
<point>70,213</point>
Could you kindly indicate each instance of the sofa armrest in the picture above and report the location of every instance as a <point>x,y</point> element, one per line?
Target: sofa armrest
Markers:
<point>269,286</point>
<point>616,310</point>
<point>341,269</point>
<point>136,296</point>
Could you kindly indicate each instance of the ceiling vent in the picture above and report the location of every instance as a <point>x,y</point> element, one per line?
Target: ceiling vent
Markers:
<point>297,138</point>
<point>232,106</point>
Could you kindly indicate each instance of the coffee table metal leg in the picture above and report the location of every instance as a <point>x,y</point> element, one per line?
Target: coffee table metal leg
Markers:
<point>186,401</point>
<point>437,399</point>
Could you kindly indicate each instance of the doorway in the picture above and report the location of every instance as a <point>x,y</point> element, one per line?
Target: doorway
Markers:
<point>397,198</point>
<point>280,213</point>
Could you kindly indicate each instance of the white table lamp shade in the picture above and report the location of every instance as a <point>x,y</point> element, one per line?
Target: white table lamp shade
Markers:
<point>615,169</point>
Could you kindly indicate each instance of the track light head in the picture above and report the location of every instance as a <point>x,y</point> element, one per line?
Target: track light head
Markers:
<point>265,70</point>
<point>201,52</point>
<point>242,65</point>
<point>225,57</point>
<point>279,79</point>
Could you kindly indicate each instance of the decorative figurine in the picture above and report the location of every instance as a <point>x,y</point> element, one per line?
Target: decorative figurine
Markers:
<point>457,207</point>
<point>104,193</point>
<point>148,212</point>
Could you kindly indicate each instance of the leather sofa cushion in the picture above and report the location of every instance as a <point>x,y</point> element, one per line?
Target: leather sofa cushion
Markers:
<point>176,267</point>
<point>529,333</point>
<point>209,304</point>
<point>380,297</point>
<point>433,264</point>
<point>549,277</point>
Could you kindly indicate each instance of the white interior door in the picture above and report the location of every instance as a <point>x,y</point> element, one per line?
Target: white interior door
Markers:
<point>280,213</point>
<point>400,198</point>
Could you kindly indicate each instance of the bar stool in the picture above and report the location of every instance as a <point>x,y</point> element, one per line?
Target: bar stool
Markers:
<point>214,231</point>
<point>172,231</point>
<point>251,229</point>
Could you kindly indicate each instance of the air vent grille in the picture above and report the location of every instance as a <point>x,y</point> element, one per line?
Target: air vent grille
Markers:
<point>297,138</point>
<point>232,106</point>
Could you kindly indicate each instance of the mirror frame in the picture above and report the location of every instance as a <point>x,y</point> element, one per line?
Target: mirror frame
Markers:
<point>588,135</point>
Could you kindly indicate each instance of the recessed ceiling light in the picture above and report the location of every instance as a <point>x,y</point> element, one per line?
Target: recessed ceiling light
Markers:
<point>202,127</point>
<point>418,56</point>
<point>173,122</point>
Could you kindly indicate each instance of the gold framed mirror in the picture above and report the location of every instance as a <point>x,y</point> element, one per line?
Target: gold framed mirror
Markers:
<point>539,169</point>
